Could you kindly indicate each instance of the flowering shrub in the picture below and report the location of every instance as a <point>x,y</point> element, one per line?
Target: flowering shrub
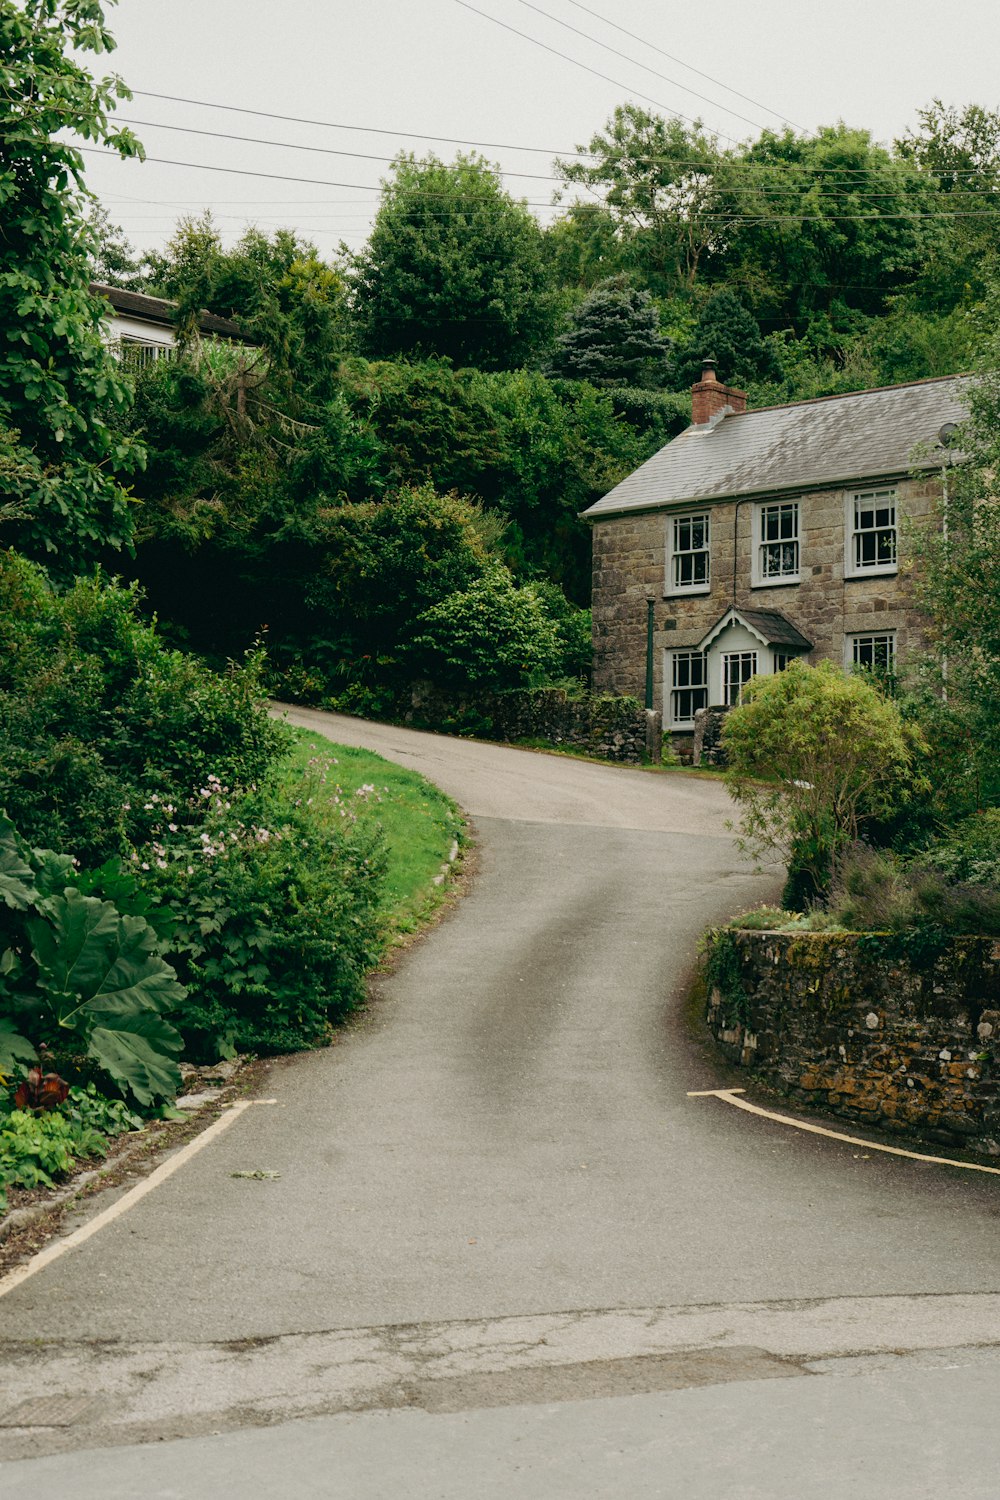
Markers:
<point>275,916</point>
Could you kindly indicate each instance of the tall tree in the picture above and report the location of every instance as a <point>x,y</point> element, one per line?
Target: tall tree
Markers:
<point>821,231</point>
<point>58,382</point>
<point>454,267</point>
<point>613,339</point>
<point>658,182</point>
<point>727,333</point>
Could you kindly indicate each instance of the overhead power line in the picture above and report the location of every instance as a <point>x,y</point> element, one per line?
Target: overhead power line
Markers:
<point>585,66</point>
<point>250,140</point>
<point>649,158</point>
<point>721,218</point>
<point>690,66</point>
<point>419,135</point>
<point>637,63</point>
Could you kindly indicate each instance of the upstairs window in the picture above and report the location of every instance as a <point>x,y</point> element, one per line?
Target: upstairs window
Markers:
<point>871,542</point>
<point>776,555</point>
<point>689,569</point>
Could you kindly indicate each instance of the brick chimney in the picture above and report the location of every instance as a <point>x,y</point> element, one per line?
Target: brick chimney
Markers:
<point>709,396</point>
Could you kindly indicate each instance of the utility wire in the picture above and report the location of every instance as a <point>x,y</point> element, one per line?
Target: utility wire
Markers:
<point>551,151</point>
<point>726,190</point>
<point>447,140</point>
<point>526,36</point>
<point>221,135</point>
<point>721,218</point>
<point>690,66</point>
<point>717,104</point>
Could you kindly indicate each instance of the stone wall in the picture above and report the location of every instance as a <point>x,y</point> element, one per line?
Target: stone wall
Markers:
<point>630,563</point>
<point>617,729</point>
<point>842,1020</point>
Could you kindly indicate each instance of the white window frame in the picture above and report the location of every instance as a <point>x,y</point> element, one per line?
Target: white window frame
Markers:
<point>753,657</point>
<point>853,642</point>
<point>673,688</point>
<point>760,578</point>
<point>674,553</point>
<point>855,498</point>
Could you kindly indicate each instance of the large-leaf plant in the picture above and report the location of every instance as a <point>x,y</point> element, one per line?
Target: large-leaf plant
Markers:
<point>79,975</point>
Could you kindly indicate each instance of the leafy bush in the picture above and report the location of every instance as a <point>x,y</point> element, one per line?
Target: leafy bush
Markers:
<point>492,635</point>
<point>36,1150</point>
<point>275,916</point>
<point>99,722</point>
<point>812,755</point>
<point>77,973</point>
<point>874,891</point>
<point>970,852</point>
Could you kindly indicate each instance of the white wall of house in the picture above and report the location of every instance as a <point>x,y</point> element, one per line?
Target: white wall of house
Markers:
<point>120,326</point>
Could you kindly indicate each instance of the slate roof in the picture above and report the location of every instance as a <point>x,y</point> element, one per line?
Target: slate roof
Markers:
<point>809,444</point>
<point>773,627</point>
<point>160,310</point>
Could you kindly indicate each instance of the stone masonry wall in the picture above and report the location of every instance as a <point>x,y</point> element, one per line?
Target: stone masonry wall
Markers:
<point>618,729</point>
<point>630,562</point>
<point>840,1020</point>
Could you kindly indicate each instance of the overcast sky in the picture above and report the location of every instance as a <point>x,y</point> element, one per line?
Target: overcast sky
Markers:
<point>427,68</point>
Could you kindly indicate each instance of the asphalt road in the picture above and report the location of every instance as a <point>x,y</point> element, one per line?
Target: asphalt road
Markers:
<point>495,1190</point>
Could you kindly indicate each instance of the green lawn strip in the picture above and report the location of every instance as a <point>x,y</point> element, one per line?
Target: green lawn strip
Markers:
<point>420,822</point>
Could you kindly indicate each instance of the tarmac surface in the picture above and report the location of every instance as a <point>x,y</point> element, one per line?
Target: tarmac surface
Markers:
<point>495,1196</point>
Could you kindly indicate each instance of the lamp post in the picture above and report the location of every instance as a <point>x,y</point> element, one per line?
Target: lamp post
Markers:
<point>650,601</point>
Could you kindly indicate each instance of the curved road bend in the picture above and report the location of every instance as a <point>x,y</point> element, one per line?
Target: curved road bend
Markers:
<point>506,1136</point>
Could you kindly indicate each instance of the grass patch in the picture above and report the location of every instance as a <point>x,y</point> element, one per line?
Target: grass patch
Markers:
<point>420,822</point>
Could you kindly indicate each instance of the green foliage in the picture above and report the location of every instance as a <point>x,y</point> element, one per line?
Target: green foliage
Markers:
<point>724,972</point>
<point>492,635</point>
<point>833,751</point>
<point>75,972</point>
<point>62,459</point>
<point>36,1150</point>
<point>100,725</point>
<point>726,332</point>
<point>875,891</point>
<point>958,584</point>
<point>453,267</point>
<point>970,852</point>
<point>657,181</point>
<point>613,339</point>
<point>276,916</point>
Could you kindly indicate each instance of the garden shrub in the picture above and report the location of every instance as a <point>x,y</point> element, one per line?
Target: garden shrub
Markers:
<point>97,716</point>
<point>491,636</point>
<point>276,916</point>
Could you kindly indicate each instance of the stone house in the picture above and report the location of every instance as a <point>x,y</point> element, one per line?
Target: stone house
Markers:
<point>757,536</point>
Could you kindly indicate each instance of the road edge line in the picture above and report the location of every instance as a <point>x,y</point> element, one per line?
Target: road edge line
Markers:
<point>728,1096</point>
<point>52,1252</point>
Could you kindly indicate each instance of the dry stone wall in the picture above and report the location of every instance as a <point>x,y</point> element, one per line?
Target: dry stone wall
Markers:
<point>848,1022</point>
<point>617,729</point>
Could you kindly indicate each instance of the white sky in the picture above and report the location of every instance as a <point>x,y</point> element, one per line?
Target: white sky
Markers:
<point>434,67</point>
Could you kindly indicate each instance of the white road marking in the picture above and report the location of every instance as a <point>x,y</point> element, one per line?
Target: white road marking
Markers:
<point>728,1096</point>
<point>128,1200</point>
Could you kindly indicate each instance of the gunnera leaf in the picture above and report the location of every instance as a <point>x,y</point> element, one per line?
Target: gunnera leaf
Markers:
<point>90,956</point>
<point>138,1051</point>
<point>14,1048</point>
<point>17,879</point>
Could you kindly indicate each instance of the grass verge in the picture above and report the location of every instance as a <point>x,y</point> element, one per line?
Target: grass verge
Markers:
<point>421,824</point>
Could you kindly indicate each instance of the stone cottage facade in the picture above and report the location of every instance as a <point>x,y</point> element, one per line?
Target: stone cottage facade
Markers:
<point>764,535</point>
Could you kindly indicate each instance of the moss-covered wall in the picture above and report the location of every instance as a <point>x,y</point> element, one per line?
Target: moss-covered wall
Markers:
<point>893,1034</point>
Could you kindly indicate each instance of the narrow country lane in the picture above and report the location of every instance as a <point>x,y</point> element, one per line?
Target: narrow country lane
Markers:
<point>498,1175</point>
